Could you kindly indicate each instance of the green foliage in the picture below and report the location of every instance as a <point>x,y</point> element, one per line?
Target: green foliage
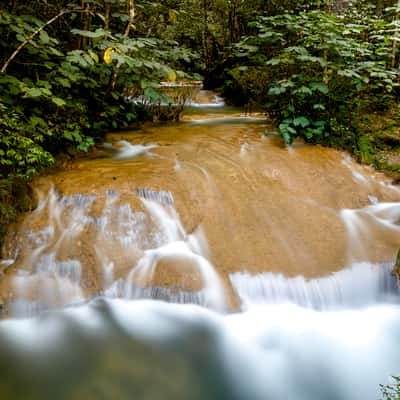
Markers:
<point>391,391</point>
<point>365,149</point>
<point>322,68</point>
<point>21,156</point>
<point>64,83</point>
<point>208,27</point>
<point>67,97</point>
<point>21,153</point>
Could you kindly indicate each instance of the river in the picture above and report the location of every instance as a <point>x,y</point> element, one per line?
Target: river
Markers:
<point>203,259</point>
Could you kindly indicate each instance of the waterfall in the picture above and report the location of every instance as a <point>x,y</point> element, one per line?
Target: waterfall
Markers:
<point>362,284</point>
<point>147,242</point>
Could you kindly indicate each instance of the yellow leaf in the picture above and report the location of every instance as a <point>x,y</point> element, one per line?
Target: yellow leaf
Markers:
<point>171,75</point>
<point>107,55</point>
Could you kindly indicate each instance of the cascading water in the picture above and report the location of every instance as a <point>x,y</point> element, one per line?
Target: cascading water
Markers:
<point>249,272</point>
<point>360,285</point>
<point>146,242</point>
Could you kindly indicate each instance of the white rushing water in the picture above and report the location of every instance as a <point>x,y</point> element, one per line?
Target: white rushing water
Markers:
<point>331,338</point>
<point>216,101</point>
<point>377,223</point>
<point>167,351</point>
<point>360,285</point>
<point>148,239</point>
<point>124,150</point>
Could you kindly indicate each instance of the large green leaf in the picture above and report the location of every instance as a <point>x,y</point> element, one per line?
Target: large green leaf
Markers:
<point>33,92</point>
<point>319,86</point>
<point>276,90</point>
<point>98,33</point>
<point>301,121</point>
<point>57,100</point>
<point>44,37</point>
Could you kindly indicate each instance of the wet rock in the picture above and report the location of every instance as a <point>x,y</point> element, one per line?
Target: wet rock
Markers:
<point>4,265</point>
<point>396,269</point>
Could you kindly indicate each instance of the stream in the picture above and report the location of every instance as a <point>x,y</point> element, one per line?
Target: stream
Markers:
<point>203,259</point>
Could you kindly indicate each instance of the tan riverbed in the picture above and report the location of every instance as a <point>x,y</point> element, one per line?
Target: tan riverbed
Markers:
<point>260,206</point>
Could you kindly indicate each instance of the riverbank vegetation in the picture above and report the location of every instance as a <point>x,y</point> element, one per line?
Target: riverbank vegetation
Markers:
<point>328,78</point>
<point>325,71</point>
<point>67,73</point>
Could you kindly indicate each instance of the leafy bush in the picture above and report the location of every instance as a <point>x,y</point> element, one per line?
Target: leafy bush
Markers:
<point>21,154</point>
<point>323,69</point>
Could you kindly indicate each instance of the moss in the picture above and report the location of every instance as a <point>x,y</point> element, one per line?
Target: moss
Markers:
<point>378,140</point>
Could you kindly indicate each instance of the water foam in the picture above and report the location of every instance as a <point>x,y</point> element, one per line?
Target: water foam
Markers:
<point>120,237</point>
<point>360,285</point>
<point>369,226</point>
<point>126,150</point>
<point>267,352</point>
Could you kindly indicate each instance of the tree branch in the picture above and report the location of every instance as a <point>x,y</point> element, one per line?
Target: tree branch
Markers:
<point>33,34</point>
<point>131,5</point>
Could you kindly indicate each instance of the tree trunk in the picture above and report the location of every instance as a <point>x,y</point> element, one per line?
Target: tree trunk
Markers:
<point>131,11</point>
<point>379,7</point>
<point>204,36</point>
<point>107,13</point>
<point>87,27</point>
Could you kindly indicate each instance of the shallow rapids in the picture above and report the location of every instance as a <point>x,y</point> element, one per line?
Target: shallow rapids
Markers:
<point>203,260</point>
